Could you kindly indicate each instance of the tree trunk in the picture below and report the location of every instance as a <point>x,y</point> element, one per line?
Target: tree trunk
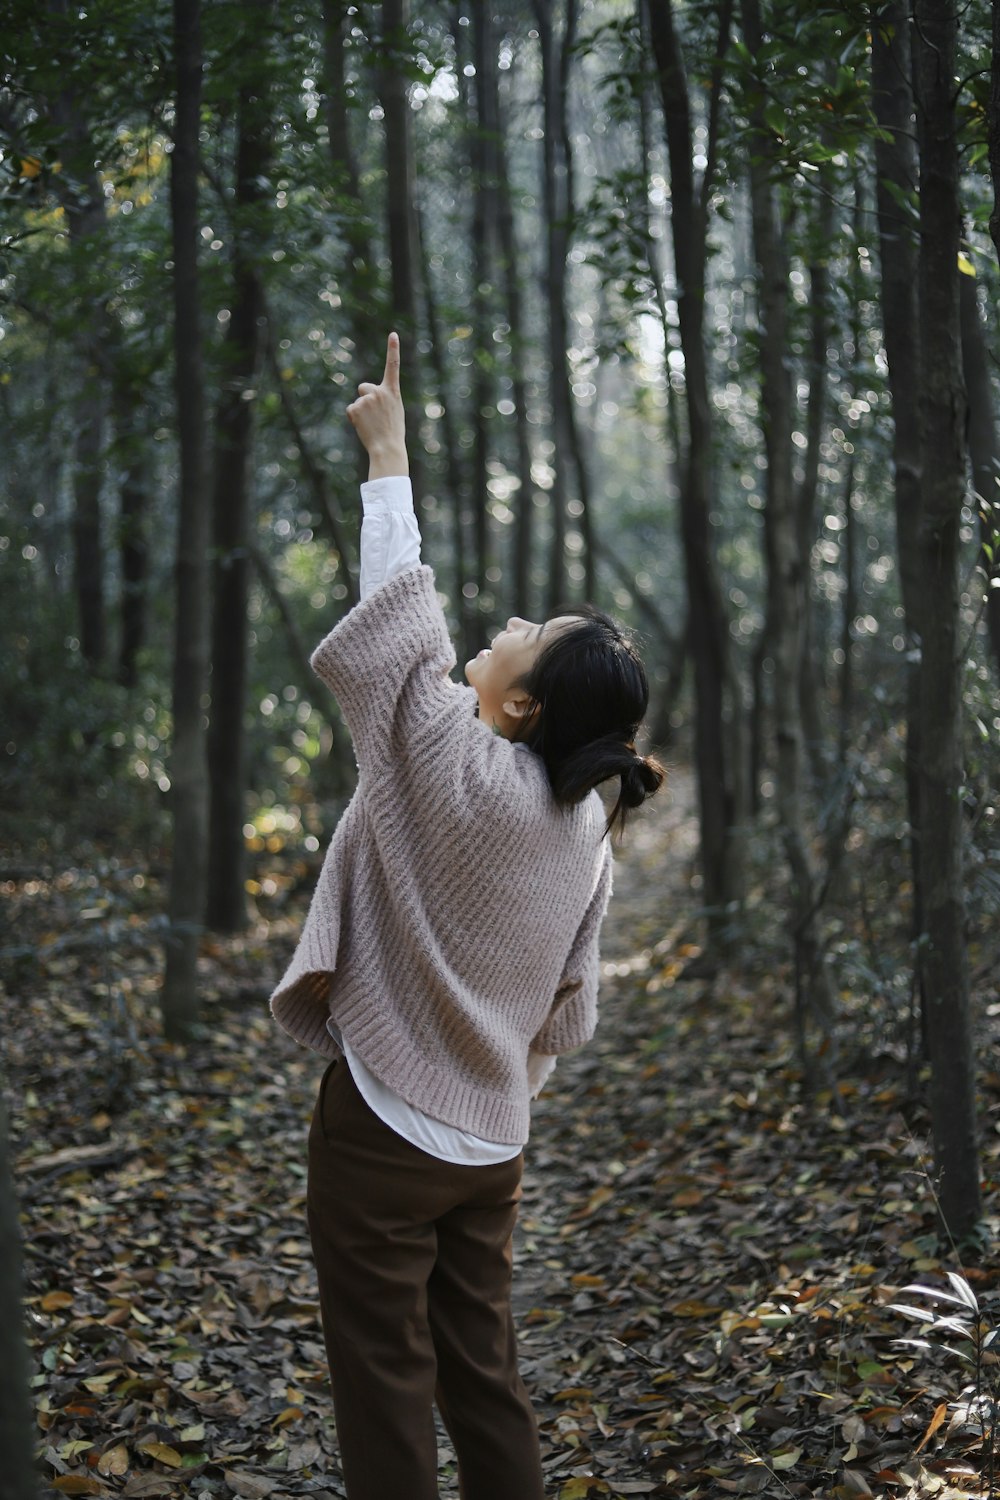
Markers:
<point>399,162</point>
<point>707,626</point>
<point>942,950</point>
<point>482,135</point>
<point>896,186</point>
<point>401,206</point>
<point>849,606</point>
<point>133,540</point>
<point>453,467</point>
<point>361,291</point>
<point>88,545</point>
<point>786,570</point>
<point>583,510</point>
<point>983,452</point>
<point>315,473</point>
<point>812,669</point>
<point>510,271</point>
<point>226,907</point>
<point>188,772</point>
<point>86,220</point>
<point>993,125</point>
<point>558,210</point>
<point>17,1424</point>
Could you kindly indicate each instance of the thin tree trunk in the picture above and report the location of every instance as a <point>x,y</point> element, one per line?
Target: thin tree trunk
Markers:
<point>812,672</point>
<point>707,626</point>
<point>558,210</point>
<point>401,202</point>
<point>510,272</point>
<point>943,954</point>
<point>86,219</point>
<point>226,906</point>
<point>364,302</point>
<point>577,456</point>
<point>88,546</point>
<point>16,1419</point>
<point>786,583</point>
<point>315,474</point>
<point>399,162</point>
<point>188,771</point>
<point>983,452</point>
<point>849,608</point>
<point>453,467</point>
<point>133,539</point>
<point>896,186</point>
<point>849,539</point>
<point>356,225</point>
<point>993,125</point>
<point>482,134</point>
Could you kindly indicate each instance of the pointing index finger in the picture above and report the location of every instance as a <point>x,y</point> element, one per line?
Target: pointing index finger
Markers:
<point>390,376</point>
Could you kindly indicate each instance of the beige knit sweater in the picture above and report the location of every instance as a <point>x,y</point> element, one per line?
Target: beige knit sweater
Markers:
<point>455,922</point>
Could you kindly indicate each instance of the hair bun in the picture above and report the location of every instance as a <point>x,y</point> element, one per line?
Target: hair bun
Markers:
<point>640,778</point>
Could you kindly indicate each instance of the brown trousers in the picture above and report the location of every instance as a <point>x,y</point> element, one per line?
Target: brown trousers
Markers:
<point>413,1257</point>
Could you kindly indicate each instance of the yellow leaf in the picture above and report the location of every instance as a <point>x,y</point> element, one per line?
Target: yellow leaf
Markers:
<point>687,1198</point>
<point>290,1414</point>
<point>940,1412</point>
<point>54,1301</point>
<point>75,1448</point>
<point>965,265</point>
<point>597,1200</point>
<point>163,1453</point>
<point>29,167</point>
<point>97,1385</point>
<point>582,1487</point>
<point>785,1460</point>
<point>693,1308</point>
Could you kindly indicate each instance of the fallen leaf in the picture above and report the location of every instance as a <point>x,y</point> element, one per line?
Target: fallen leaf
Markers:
<point>250,1486</point>
<point>56,1301</point>
<point>162,1453</point>
<point>115,1461</point>
<point>940,1412</point>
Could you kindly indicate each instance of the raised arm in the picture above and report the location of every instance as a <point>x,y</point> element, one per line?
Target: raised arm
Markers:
<point>378,419</point>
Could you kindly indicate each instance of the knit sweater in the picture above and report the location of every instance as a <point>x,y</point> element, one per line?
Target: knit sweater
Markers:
<point>455,921</point>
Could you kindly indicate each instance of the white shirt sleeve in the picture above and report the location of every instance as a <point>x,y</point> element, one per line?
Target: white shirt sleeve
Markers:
<point>390,535</point>
<point>540,1069</point>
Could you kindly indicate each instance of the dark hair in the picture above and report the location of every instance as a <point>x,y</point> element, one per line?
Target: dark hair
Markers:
<point>587,695</point>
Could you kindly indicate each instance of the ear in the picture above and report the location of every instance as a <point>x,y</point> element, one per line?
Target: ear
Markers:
<point>517,707</point>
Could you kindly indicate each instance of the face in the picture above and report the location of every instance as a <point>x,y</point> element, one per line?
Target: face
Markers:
<point>495,672</point>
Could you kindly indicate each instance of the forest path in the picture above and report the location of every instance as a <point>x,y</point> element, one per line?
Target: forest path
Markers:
<point>704,1263</point>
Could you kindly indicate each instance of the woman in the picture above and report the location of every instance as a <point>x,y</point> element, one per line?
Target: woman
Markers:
<point>450,953</point>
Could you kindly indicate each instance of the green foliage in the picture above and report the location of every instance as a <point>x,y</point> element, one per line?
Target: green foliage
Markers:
<point>81,756</point>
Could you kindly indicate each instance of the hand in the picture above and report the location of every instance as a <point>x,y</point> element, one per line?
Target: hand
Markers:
<point>377,417</point>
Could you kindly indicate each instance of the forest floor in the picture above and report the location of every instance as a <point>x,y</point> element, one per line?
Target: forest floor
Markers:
<point>706,1263</point>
